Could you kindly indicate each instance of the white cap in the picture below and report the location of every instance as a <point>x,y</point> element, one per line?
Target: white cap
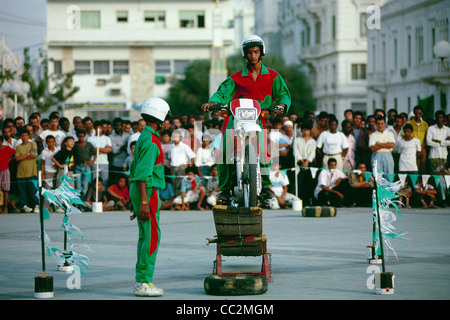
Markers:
<point>288,123</point>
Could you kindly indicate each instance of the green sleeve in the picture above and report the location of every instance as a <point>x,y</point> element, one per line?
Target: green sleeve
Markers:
<point>225,92</point>
<point>281,92</point>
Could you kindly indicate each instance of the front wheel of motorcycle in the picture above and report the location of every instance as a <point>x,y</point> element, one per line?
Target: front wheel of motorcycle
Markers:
<point>250,172</point>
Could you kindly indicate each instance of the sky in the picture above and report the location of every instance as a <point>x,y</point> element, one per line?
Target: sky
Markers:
<point>23,23</point>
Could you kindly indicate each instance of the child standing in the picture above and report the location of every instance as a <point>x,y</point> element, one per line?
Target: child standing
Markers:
<point>409,149</point>
<point>6,154</point>
<point>48,169</point>
<point>64,158</point>
<point>26,154</point>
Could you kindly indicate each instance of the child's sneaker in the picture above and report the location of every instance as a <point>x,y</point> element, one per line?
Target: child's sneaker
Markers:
<point>147,290</point>
<point>27,209</point>
<point>36,209</point>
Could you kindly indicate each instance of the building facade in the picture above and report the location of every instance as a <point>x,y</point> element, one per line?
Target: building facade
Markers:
<point>333,41</point>
<point>124,52</point>
<point>402,69</point>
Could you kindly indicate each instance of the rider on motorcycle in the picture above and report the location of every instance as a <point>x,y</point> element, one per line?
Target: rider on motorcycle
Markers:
<point>254,81</point>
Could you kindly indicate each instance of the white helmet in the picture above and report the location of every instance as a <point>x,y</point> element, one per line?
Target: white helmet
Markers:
<point>253,41</point>
<point>156,108</point>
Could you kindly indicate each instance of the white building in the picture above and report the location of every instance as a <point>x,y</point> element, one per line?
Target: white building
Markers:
<point>402,68</point>
<point>333,40</point>
<point>124,52</point>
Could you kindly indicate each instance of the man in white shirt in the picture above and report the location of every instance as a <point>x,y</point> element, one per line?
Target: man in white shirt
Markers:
<point>397,131</point>
<point>52,130</point>
<point>438,139</point>
<point>279,185</point>
<point>381,143</point>
<point>181,157</point>
<point>332,186</point>
<point>333,144</point>
<point>105,146</point>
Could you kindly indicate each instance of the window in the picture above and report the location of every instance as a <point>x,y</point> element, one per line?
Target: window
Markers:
<point>82,67</point>
<point>122,16</point>
<point>192,19</point>
<point>318,31</point>
<point>180,66</point>
<point>101,67</point>
<point>90,19</point>
<point>156,18</point>
<point>409,51</point>
<point>358,71</point>
<point>120,67</point>
<point>333,27</point>
<point>57,67</point>
<point>419,44</point>
<point>395,54</point>
<point>162,67</point>
<point>363,24</point>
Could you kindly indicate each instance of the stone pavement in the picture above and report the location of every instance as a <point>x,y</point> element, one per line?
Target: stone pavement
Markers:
<point>311,258</point>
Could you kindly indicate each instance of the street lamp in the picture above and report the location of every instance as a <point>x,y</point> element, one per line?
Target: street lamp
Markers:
<point>442,51</point>
<point>17,88</point>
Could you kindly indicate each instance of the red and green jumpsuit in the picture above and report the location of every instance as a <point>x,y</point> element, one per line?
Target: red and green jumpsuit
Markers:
<point>268,88</point>
<point>148,166</point>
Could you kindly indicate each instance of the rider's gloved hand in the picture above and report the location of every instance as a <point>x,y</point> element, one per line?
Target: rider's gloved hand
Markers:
<point>279,109</point>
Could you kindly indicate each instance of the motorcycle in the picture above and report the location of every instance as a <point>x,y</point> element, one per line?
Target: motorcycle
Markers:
<point>246,150</point>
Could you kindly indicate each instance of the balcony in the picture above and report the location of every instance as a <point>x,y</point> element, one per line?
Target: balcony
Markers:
<point>433,72</point>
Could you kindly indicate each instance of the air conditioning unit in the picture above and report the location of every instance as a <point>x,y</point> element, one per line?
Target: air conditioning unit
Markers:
<point>101,82</point>
<point>115,92</point>
<point>116,79</point>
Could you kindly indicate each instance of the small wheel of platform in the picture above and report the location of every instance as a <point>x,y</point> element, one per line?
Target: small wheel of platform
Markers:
<point>235,285</point>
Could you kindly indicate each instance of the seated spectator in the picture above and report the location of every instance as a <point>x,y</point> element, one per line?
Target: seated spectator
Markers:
<point>167,195</point>
<point>361,190</point>
<point>91,197</point>
<point>425,194</point>
<point>212,187</point>
<point>331,187</point>
<point>192,191</point>
<point>405,192</point>
<point>279,186</point>
<point>119,193</point>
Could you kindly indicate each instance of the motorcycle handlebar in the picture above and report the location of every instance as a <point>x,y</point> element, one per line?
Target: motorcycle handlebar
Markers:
<point>220,106</point>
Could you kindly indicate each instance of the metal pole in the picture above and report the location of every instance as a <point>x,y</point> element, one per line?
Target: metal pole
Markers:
<point>41,220</point>
<point>375,172</point>
<point>96,176</point>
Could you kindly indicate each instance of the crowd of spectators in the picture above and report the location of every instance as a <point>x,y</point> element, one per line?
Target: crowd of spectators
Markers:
<point>316,158</point>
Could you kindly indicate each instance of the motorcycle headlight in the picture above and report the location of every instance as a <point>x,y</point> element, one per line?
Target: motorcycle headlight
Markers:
<point>246,114</point>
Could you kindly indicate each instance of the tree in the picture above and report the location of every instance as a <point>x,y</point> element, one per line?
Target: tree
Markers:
<point>187,95</point>
<point>41,96</point>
